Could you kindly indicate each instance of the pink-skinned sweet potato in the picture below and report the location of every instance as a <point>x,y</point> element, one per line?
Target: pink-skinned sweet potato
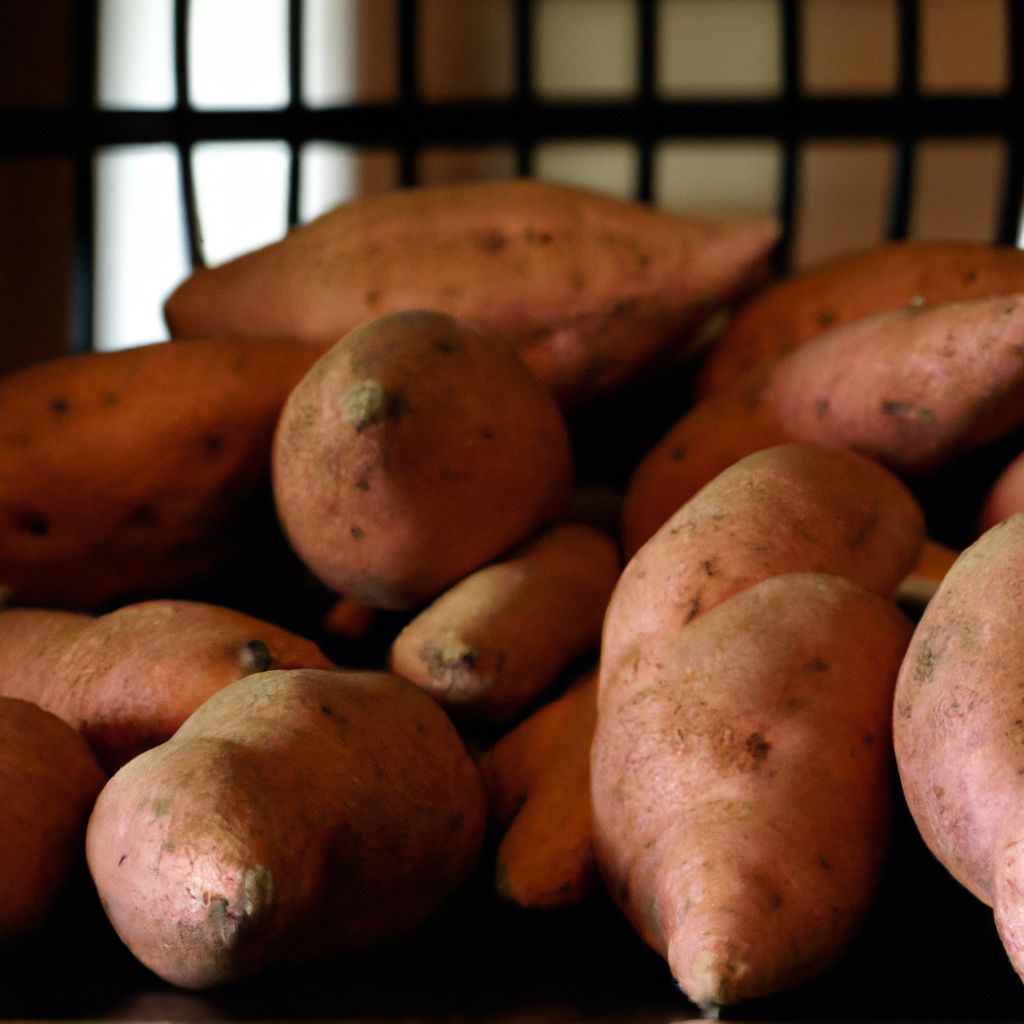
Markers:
<point>741,782</point>
<point>296,815</point>
<point>589,289</point>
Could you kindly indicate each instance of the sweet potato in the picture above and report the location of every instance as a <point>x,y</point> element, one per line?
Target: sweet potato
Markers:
<point>496,639</point>
<point>741,782</point>
<point>128,679</point>
<point>796,507</point>
<point>295,815</point>
<point>537,781</point>
<point>894,275</point>
<point>49,780</point>
<point>957,726</point>
<point>588,288</point>
<point>416,450</point>
<point>1004,496</point>
<point>129,472</point>
<point>913,389</point>
<point>932,564</point>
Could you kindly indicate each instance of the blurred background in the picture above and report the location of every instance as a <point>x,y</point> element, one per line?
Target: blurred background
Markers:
<point>138,137</point>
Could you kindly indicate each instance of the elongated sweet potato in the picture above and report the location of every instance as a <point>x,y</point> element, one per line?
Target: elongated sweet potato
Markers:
<point>416,450</point>
<point>957,726</point>
<point>295,815</point>
<point>796,507</point>
<point>500,636</point>
<point>741,782</point>
<point>894,275</point>
<point>913,389</point>
<point>125,473</point>
<point>588,288</point>
<point>537,781</point>
<point>49,780</point>
<point>128,679</point>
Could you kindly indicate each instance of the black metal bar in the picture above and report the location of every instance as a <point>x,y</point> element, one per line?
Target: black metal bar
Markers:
<point>82,60</point>
<point>525,98</point>
<point>1008,226</point>
<point>901,188</point>
<point>407,109</point>
<point>647,35</point>
<point>790,132</point>
<point>296,14</point>
<point>181,118</point>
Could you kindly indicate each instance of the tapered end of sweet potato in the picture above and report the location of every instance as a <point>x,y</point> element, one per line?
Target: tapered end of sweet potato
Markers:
<point>712,973</point>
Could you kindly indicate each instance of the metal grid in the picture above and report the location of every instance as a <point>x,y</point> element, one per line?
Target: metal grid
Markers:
<point>524,120</point>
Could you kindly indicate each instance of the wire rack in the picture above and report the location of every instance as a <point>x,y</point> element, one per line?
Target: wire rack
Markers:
<point>524,119</point>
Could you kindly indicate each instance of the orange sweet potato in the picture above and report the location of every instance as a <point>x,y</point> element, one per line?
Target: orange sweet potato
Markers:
<point>913,389</point>
<point>894,275</point>
<point>49,780</point>
<point>741,782</point>
<point>416,450</point>
<point>496,639</point>
<point>128,679</point>
<point>957,726</point>
<point>126,473</point>
<point>588,288</point>
<point>295,815</point>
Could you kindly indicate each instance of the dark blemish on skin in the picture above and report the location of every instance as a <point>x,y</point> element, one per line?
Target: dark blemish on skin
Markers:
<point>362,484</point>
<point>33,522</point>
<point>212,444</point>
<point>447,345</point>
<point>255,656</point>
<point>708,566</point>
<point>142,516</point>
<point>578,281</point>
<point>822,407</point>
<point>110,398</point>
<point>757,746</point>
<point>357,532</point>
<point>682,737</point>
<point>678,453</point>
<point>907,411</point>
<point>59,406</point>
<point>869,740</point>
<point>826,318</point>
<point>451,290</point>
<point>971,276</point>
<point>825,864</point>
<point>864,531</point>
<point>816,664</point>
<point>393,407</point>
<point>487,433</point>
<point>122,859</point>
<point>539,237</point>
<point>327,709</point>
<point>372,297</point>
<point>694,610</point>
<point>493,241</point>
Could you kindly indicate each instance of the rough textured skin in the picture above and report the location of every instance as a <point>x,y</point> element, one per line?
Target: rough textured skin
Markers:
<point>913,389</point>
<point>500,636</point>
<point>957,725</point>
<point>416,450</point>
<point>798,507</point>
<point>295,815</point>
<point>741,782</point>
<point>124,473</point>
<point>128,679</point>
<point>1005,497</point>
<point>895,275</point>
<point>588,288</point>
<point>49,780</point>
<point>537,780</point>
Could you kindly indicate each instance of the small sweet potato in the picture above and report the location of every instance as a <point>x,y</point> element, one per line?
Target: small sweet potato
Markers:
<point>496,639</point>
<point>295,815</point>
<point>958,729</point>
<point>589,289</point>
<point>129,472</point>
<point>895,275</point>
<point>49,780</point>
<point>741,782</point>
<point>416,450</point>
<point>128,679</point>
<point>913,389</point>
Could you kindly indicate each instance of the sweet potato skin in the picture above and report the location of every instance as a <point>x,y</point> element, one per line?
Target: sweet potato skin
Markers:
<point>416,450</point>
<point>895,275</point>
<point>127,473</point>
<point>488,646</point>
<point>1004,497</point>
<point>589,289</point>
<point>128,679</point>
<point>49,780</point>
<point>741,786</point>
<point>296,815</point>
<point>957,725</point>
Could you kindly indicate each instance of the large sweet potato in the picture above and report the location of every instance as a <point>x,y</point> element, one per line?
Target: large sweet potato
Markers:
<point>295,815</point>
<point>588,288</point>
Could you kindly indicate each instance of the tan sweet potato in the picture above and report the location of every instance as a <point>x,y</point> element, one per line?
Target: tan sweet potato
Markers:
<point>796,507</point>
<point>49,780</point>
<point>129,472</point>
<point>894,275</point>
<point>295,815</point>
<point>957,726</point>
<point>416,450</point>
<point>741,782</point>
<point>496,639</point>
<point>588,288</point>
<point>913,389</point>
<point>537,781</point>
<point>128,679</point>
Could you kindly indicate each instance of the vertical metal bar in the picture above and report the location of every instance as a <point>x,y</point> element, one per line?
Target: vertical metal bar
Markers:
<point>789,180</point>
<point>408,91</point>
<point>902,186</point>
<point>647,34</point>
<point>295,103</point>
<point>524,90</point>
<point>1008,229</point>
<point>183,134</point>
<point>84,32</point>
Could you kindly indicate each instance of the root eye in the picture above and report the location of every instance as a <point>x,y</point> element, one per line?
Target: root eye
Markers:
<point>255,656</point>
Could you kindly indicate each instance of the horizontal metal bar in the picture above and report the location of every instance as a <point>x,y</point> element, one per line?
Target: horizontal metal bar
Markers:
<point>65,132</point>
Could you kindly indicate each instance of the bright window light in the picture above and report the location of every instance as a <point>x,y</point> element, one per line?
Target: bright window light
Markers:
<point>330,51</point>
<point>329,176</point>
<point>136,59</point>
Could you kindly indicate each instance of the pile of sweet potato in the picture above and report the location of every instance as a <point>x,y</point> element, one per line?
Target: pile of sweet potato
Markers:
<point>506,527</point>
